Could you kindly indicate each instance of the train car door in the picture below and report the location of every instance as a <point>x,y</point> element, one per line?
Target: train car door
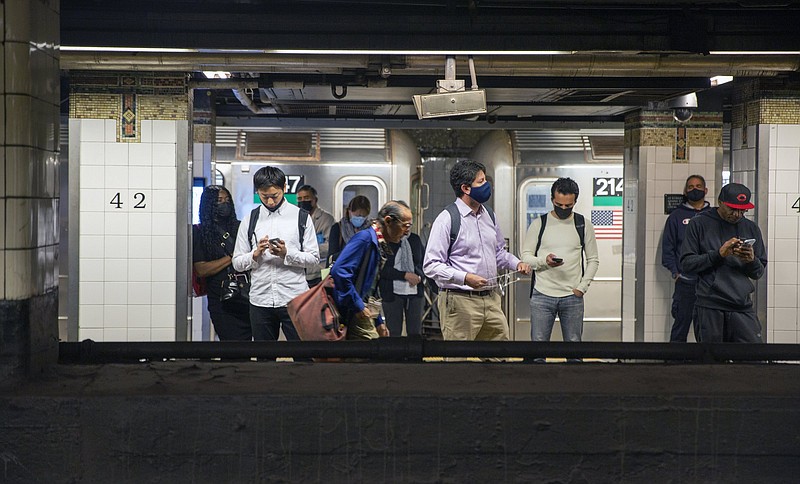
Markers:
<point>601,202</point>
<point>348,187</point>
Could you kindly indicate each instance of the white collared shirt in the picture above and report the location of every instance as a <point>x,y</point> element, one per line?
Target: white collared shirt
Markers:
<point>276,281</point>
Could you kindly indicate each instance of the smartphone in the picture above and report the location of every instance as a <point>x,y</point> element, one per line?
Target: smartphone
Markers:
<point>749,242</point>
<point>275,242</point>
<point>558,260</point>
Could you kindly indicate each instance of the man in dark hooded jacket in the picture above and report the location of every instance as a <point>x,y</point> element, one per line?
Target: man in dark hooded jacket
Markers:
<point>694,193</point>
<point>727,252</point>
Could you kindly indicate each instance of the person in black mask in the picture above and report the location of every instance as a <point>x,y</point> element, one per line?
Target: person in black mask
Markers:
<point>562,274</point>
<point>277,253</point>
<point>323,221</point>
<point>727,253</point>
<point>212,247</point>
<point>683,298</point>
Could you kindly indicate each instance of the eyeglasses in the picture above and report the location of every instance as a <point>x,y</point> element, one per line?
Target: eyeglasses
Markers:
<point>406,225</point>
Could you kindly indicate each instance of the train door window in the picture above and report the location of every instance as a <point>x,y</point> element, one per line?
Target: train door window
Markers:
<point>535,194</point>
<point>350,187</point>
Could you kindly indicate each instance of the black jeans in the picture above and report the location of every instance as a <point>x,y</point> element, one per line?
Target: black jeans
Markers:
<point>231,319</point>
<point>267,323</point>
<point>408,306</point>
<point>683,300</point>
<point>719,326</point>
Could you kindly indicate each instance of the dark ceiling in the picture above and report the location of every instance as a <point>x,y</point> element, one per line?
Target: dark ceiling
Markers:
<point>610,57</point>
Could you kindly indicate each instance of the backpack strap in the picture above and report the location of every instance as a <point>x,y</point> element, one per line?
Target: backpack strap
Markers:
<point>251,229</point>
<point>455,225</point>
<point>580,226</point>
<point>302,220</point>
<point>543,218</point>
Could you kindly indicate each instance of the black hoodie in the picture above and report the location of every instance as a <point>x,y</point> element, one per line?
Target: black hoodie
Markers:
<point>724,282</point>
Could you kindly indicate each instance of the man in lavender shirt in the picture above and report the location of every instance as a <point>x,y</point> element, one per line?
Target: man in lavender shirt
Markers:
<point>469,304</point>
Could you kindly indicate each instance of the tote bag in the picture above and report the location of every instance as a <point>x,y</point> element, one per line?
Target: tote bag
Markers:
<point>315,315</point>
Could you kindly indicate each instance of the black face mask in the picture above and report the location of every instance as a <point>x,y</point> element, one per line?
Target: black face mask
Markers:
<point>305,205</point>
<point>695,195</point>
<point>562,213</point>
<point>223,211</point>
<point>276,207</point>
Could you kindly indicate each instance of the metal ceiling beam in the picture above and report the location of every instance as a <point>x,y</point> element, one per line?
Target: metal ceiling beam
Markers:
<point>568,65</point>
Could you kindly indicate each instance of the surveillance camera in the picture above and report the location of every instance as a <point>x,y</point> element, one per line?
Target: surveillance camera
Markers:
<point>683,107</point>
<point>682,115</point>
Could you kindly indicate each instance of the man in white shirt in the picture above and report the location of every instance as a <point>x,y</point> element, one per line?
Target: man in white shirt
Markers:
<point>275,256</point>
<point>556,254</point>
<point>323,221</point>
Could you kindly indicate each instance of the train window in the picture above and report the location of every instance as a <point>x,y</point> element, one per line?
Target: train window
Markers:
<point>535,194</point>
<point>350,187</point>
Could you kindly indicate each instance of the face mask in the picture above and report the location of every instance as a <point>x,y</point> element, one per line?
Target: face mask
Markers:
<point>695,195</point>
<point>276,207</point>
<point>305,205</point>
<point>223,211</point>
<point>562,213</point>
<point>482,193</point>
<point>357,221</point>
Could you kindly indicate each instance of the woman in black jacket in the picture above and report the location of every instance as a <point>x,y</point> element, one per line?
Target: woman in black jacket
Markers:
<point>400,286</point>
<point>213,242</point>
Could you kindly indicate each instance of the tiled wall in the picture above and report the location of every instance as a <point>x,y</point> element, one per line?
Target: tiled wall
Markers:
<point>665,176</point>
<point>659,156</point>
<point>128,225</point>
<point>29,106</point>
<point>783,250</point>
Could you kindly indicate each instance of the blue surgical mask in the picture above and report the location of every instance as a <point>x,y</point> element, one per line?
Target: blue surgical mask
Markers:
<point>357,221</point>
<point>482,193</point>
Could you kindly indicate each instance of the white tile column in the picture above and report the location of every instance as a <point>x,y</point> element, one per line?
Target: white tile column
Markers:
<point>128,225</point>
<point>659,156</point>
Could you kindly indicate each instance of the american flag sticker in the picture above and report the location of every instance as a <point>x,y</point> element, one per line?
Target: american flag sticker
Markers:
<point>607,224</point>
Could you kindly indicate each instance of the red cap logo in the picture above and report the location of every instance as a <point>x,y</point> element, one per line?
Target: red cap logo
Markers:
<point>741,197</point>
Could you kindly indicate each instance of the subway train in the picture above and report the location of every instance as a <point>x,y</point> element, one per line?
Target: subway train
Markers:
<point>385,164</point>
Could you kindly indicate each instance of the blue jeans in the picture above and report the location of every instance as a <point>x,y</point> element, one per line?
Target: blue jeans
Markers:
<point>543,315</point>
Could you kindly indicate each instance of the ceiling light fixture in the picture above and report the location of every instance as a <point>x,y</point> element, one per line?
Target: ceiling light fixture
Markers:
<point>451,98</point>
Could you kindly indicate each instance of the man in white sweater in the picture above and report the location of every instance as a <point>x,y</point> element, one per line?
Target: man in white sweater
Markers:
<point>555,246</point>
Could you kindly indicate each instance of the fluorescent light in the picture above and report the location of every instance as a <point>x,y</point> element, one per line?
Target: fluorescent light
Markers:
<point>720,80</point>
<point>217,74</point>
<point>75,48</point>
<point>754,52</point>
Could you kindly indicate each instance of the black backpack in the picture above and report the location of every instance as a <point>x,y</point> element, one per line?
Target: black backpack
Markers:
<point>580,226</point>
<point>302,220</point>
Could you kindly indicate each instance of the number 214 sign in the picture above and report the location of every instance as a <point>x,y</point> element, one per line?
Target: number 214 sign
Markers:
<point>608,187</point>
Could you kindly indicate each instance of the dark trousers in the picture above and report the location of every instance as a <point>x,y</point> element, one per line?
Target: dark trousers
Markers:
<point>267,323</point>
<point>408,306</point>
<point>718,326</point>
<point>232,321</point>
<point>683,300</point>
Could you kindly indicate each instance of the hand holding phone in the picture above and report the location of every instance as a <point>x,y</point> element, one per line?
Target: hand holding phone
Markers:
<point>749,242</point>
<point>276,242</point>
<point>558,260</point>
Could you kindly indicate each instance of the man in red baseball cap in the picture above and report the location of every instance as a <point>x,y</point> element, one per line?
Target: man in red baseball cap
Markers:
<point>726,251</point>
